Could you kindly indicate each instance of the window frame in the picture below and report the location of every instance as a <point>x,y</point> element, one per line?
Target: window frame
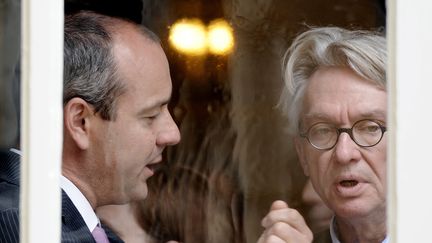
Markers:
<point>42,119</point>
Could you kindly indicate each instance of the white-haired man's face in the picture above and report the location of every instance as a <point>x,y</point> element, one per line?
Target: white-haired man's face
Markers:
<point>350,179</point>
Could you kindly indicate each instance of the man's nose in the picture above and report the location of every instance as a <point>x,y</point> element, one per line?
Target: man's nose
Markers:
<point>346,150</point>
<point>169,133</point>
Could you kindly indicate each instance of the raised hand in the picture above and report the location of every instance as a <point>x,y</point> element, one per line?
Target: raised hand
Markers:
<point>284,225</point>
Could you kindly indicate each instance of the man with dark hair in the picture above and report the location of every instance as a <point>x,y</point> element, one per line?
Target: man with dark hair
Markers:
<point>117,87</point>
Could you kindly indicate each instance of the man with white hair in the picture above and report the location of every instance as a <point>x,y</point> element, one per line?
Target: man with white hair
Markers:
<point>336,99</point>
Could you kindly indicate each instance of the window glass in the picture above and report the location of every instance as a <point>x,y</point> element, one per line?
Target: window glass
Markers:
<point>232,134</point>
<point>235,156</point>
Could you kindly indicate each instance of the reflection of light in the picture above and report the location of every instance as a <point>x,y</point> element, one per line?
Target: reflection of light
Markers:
<point>189,36</point>
<point>220,37</point>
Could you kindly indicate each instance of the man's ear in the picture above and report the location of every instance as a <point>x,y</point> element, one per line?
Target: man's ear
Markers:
<point>77,114</point>
<point>301,155</point>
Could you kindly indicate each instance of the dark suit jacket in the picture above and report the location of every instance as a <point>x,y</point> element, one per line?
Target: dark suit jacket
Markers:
<point>74,229</point>
<point>322,237</point>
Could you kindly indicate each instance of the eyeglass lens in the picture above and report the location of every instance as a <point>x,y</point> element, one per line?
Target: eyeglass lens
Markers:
<point>365,133</point>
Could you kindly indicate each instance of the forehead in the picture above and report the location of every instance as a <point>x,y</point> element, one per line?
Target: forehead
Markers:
<point>142,66</point>
<point>339,95</point>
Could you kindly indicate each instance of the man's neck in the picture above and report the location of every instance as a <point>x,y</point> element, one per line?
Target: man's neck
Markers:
<point>361,231</point>
<point>80,202</point>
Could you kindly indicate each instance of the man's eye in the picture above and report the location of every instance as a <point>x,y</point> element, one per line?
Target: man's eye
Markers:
<point>321,131</point>
<point>324,130</point>
<point>370,129</point>
<point>152,117</point>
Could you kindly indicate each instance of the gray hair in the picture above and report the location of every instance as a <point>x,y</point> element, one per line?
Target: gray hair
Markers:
<point>364,52</point>
<point>90,71</point>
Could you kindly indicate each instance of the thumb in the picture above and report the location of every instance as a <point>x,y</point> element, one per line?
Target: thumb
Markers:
<point>278,204</point>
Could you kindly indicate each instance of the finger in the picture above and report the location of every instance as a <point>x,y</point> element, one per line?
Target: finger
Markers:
<point>289,234</point>
<point>278,204</point>
<point>285,223</point>
<point>269,238</point>
<point>288,216</point>
<point>262,238</point>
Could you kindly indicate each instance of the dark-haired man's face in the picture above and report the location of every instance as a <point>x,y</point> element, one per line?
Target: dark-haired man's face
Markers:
<point>127,147</point>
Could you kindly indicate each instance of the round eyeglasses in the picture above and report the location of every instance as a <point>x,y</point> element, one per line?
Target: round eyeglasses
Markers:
<point>365,133</point>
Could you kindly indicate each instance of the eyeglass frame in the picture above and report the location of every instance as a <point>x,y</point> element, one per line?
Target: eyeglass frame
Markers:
<point>349,131</point>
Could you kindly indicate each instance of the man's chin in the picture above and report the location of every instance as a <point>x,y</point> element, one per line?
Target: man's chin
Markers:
<point>353,211</point>
<point>141,193</point>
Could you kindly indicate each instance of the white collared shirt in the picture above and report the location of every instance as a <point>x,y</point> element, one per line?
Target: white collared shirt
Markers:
<point>77,198</point>
<point>80,202</point>
<point>14,150</point>
<point>335,238</point>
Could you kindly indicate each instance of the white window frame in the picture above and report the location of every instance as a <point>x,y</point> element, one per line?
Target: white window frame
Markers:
<point>42,112</point>
<point>410,118</point>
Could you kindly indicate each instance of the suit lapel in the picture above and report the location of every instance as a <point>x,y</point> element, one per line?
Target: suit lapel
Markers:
<point>10,167</point>
<point>74,229</point>
<point>112,237</point>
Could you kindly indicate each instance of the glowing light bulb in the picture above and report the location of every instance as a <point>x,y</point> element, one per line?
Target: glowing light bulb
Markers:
<point>220,37</point>
<point>189,36</point>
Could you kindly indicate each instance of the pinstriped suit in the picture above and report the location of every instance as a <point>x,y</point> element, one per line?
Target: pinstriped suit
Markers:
<point>74,229</point>
<point>9,197</point>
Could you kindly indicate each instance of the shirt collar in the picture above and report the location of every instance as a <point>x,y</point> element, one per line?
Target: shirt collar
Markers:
<point>80,202</point>
<point>78,199</point>
<point>333,231</point>
<point>14,150</point>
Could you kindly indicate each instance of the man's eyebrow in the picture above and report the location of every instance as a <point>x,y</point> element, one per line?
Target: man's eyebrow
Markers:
<point>316,115</point>
<point>154,105</point>
<point>377,114</point>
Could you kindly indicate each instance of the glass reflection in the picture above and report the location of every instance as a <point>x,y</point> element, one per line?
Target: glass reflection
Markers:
<point>235,150</point>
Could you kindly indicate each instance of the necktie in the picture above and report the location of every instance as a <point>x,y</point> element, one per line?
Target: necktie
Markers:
<point>99,235</point>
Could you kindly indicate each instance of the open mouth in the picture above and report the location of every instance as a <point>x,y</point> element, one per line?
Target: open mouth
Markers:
<point>154,167</point>
<point>348,183</point>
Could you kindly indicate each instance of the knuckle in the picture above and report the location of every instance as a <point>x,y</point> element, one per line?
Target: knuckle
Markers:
<point>279,228</point>
<point>272,239</point>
